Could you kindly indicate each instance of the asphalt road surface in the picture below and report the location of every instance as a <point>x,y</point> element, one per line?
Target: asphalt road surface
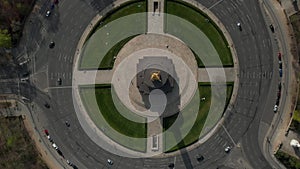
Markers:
<point>245,123</point>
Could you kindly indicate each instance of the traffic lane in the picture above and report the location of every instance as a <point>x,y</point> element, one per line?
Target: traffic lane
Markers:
<point>252,149</point>
<point>267,69</point>
<point>75,144</point>
<point>72,30</point>
<point>245,44</point>
<point>71,27</point>
<point>213,150</point>
<point>251,141</point>
<point>86,149</point>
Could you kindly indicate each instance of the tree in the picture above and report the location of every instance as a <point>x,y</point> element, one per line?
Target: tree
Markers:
<point>5,38</point>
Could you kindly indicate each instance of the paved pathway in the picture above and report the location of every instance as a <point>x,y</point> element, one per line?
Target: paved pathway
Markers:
<point>204,75</point>
<point>156,16</point>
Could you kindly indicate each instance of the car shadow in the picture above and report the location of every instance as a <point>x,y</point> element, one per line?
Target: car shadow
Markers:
<point>297,151</point>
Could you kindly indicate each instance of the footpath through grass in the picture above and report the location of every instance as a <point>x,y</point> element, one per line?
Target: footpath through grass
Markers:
<point>203,23</point>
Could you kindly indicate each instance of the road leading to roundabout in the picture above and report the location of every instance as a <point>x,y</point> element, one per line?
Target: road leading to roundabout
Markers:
<point>159,52</point>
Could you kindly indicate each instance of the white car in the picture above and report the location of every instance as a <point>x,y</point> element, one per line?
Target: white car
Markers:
<point>275,109</point>
<point>48,13</point>
<point>55,146</point>
<point>110,162</point>
<point>227,149</point>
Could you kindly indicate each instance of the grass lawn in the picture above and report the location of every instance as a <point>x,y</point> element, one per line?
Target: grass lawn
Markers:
<point>109,120</point>
<point>199,19</point>
<point>115,119</point>
<point>296,116</point>
<point>128,8</point>
<point>194,134</point>
<point>295,125</point>
<point>105,41</point>
<point>108,60</point>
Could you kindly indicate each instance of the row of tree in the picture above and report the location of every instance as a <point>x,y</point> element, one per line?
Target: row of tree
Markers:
<point>12,16</point>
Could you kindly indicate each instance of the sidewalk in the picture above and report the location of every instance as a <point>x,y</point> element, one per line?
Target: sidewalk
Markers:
<point>284,45</point>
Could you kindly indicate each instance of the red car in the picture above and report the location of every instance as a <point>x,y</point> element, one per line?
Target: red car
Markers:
<point>279,56</point>
<point>46,132</point>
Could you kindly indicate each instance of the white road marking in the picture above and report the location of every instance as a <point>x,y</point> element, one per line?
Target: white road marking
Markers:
<point>174,161</point>
<point>60,87</point>
<point>215,4</point>
<point>229,135</point>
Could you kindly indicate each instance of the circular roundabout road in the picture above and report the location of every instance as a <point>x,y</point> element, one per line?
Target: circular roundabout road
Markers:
<point>244,120</point>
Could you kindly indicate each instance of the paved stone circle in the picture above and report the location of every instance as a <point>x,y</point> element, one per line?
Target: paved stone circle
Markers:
<point>157,45</point>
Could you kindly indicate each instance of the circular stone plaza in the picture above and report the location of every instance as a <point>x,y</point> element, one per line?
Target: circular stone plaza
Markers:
<point>148,81</point>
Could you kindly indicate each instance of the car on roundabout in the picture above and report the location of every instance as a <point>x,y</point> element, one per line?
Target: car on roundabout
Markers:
<point>199,157</point>
<point>51,45</point>
<point>48,13</point>
<point>275,109</point>
<point>239,25</point>
<point>110,162</point>
<point>227,149</point>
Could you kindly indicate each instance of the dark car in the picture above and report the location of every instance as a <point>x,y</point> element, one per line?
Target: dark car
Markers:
<point>59,81</point>
<point>279,86</point>
<point>200,158</point>
<point>74,166</point>
<point>47,105</point>
<point>25,74</point>
<point>67,123</point>
<point>60,153</point>
<point>280,65</point>
<point>272,28</point>
<point>51,45</point>
<point>171,165</point>
<point>280,72</point>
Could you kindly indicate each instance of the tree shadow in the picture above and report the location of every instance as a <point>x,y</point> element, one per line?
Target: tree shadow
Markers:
<point>295,5</point>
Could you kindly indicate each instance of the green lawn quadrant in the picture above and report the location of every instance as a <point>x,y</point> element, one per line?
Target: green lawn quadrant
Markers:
<point>110,122</point>
<point>111,33</point>
<point>204,37</point>
<point>201,120</point>
<point>108,60</point>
